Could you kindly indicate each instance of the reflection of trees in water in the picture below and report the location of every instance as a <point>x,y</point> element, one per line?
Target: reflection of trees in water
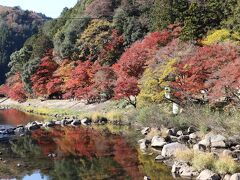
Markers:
<point>96,148</point>
<point>25,147</point>
<point>84,168</point>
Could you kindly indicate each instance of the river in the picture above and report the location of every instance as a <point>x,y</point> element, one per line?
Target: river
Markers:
<point>69,153</point>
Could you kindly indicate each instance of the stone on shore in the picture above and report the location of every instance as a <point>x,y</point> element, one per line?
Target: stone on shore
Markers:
<point>208,175</point>
<point>158,141</point>
<point>170,149</point>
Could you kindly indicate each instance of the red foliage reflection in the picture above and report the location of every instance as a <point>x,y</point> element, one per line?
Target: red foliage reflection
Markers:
<point>89,143</point>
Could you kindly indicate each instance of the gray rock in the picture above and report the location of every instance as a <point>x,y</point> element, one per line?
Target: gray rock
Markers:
<point>235,176</point>
<point>142,145</point>
<point>158,141</point>
<point>208,175</point>
<point>217,141</point>
<point>146,178</point>
<point>76,122</point>
<point>193,136</point>
<point>49,124</point>
<point>179,133</point>
<point>170,149</point>
<point>145,130</point>
<point>32,126</point>
<point>205,142</point>
<point>171,132</point>
<point>184,170</point>
<point>199,147</point>
<point>160,158</point>
<point>86,121</point>
<point>183,138</point>
<point>191,129</point>
<point>227,177</point>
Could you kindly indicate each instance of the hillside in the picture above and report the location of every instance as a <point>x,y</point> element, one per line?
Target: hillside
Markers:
<point>142,51</point>
<point>16,26</point>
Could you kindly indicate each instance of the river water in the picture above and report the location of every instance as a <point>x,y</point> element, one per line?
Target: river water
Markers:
<point>67,153</point>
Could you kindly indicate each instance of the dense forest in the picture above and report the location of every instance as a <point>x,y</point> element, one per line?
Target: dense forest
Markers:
<point>132,49</point>
<point>16,26</point>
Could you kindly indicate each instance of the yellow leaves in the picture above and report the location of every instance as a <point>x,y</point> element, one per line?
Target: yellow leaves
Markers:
<point>154,81</point>
<point>222,35</point>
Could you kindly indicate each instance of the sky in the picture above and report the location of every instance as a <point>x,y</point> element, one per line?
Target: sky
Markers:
<point>51,8</point>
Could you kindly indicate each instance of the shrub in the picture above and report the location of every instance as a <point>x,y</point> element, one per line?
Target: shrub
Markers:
<point>203,161</point>
<point>95,116</point>
<point>114,115</point>
<point>220,36</point>
<point>184,155</point>
<point>226,164</point>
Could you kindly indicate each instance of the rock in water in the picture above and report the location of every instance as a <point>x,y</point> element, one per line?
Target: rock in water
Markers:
<point>170,149</point>
<point>86,121</point>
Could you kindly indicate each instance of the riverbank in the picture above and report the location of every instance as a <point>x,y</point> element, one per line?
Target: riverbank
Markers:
<point>112,110</point>
<point>180,141</point>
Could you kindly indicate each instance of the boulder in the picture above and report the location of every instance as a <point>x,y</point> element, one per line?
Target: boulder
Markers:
<point>86,121</point>
<point>170,149</point>
<point>145,130</point>
<point>158,141</point>
<point>217,141</point>
<point>208,175</point>
<point>235,176</point>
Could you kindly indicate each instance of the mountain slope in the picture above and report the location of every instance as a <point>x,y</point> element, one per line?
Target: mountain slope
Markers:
<point>16,26</point>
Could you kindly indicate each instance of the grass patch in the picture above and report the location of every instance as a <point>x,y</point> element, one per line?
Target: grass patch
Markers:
<point>184,155</point>
<point>226,164</point>
<point>114,115</point>
<point>203,161</point>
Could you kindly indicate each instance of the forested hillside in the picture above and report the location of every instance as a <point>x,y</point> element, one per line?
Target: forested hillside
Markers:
<point>133,49</point>
<point>16,26</point>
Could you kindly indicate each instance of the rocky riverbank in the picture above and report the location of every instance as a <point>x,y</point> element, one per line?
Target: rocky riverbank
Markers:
<point>181,148</point>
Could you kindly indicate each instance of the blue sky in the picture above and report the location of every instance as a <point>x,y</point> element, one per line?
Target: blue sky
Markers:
<point>51,8</point>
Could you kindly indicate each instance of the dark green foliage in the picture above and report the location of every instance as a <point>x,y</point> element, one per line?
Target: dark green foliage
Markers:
<point>16,26</point>
<point>132,20</point>
<point>167,12</point>
<point>204,16</point>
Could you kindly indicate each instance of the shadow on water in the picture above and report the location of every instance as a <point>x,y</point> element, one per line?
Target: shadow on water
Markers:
<point>77,153</point>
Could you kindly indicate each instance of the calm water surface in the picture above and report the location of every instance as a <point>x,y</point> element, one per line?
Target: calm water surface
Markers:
<point>69,153</point>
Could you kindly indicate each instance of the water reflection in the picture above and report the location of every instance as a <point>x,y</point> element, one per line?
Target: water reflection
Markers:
<point>68,153</point>
<point>15,117</point>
